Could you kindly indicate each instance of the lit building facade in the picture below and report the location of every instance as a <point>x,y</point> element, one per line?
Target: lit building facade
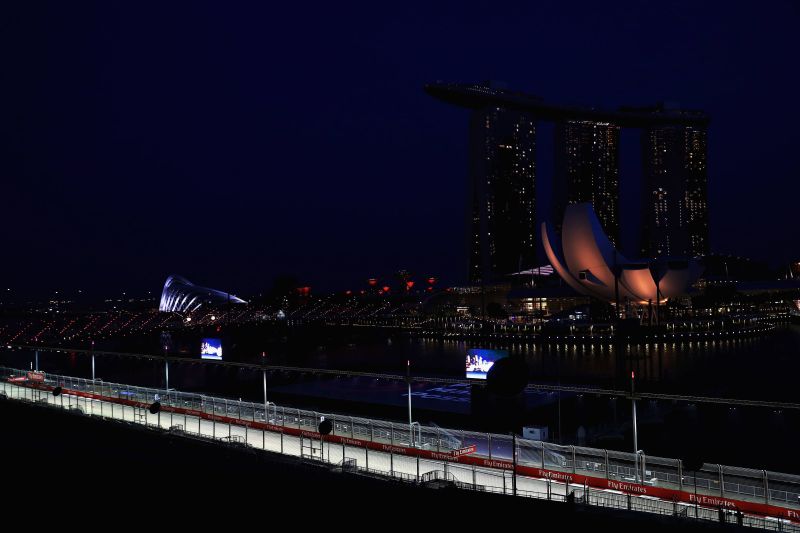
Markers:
<point>503,197</point>
<point>587,170</point>
<point>502,225</point>
<point>587,261</point>
<point>675,188</point>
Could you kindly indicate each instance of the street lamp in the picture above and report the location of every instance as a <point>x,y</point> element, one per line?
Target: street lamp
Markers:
<point>166,369</point>
<point>410,420</point>
<point>514,464</point>
<point>264,376</point>
<point>636,450</point>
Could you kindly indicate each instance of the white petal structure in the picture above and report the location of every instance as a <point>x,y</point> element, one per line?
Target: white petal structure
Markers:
<point>588,262</point>
<point>182,296</point>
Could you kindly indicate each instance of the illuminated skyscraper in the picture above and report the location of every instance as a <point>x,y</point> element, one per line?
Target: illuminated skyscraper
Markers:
<point>502,176</point>
<point>502,152</point>
<point>587,170</point>
<point>675,211</point>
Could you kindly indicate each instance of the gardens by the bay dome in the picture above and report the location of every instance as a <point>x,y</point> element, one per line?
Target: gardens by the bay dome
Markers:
<point>182,296</point>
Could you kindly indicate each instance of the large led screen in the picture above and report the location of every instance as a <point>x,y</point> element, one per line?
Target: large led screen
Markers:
<point>480,360</point>
<point>211,349</point>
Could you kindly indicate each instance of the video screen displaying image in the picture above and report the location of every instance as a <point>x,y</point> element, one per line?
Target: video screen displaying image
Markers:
<point>480,360</point>
<point>211,349</point>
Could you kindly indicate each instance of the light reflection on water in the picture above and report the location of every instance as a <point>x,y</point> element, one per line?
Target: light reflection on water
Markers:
<point>755,367</point>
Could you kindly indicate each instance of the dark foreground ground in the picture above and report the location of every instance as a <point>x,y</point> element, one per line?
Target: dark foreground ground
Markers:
<point>61,468</point>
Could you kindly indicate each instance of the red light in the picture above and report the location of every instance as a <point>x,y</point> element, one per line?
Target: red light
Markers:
<point>632,375</point>
<point>431,280</point>
<point>409,284</point>
<point>385,289</point>
<point>372,282</point>
<point>304,291</point>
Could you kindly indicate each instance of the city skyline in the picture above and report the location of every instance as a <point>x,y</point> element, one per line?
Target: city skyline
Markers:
<point>531,260</point>
<point>116,176</point>
<point>503,181</point>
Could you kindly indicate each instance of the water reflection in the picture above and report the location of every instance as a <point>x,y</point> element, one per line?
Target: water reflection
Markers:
<point>754,367</point>
<point>751,367</point>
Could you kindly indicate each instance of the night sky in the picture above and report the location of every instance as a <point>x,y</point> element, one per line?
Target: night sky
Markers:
<point>230,142</point>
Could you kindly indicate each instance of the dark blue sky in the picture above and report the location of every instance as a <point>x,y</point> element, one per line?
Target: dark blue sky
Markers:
<point>230,142</point>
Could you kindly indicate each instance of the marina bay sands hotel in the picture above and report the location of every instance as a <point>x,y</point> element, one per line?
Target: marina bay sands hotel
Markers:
<point>503,234</point>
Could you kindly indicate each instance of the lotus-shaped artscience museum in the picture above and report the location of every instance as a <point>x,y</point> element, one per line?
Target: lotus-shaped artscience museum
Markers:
<point>182,296</point>
<point>589,263</point>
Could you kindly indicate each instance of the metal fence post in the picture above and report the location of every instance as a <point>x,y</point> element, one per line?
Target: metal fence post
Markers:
<point>489,443</point>
<point>721,481</point>
<point>574,462</point>
<point>680,474</point>
<point>644,466</point>
<point>542,443</point>
<point>606,454</point>
<point>766,486</point>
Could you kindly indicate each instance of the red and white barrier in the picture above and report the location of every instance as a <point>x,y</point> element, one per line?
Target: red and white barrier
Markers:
<point>466,456</point>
